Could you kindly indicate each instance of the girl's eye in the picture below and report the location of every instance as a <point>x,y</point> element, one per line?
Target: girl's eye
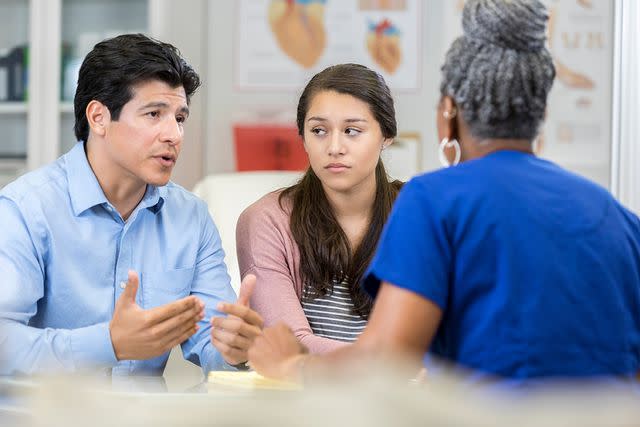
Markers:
<point>153,114</point>
<point>352,131</point>
<point>318,131</point>
<point>181,119</point>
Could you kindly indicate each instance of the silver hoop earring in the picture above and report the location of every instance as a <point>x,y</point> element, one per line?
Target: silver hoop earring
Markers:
<point>444,144</point>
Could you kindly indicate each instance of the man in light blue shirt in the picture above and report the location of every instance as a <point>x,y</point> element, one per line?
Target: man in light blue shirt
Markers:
<point>105,264</point>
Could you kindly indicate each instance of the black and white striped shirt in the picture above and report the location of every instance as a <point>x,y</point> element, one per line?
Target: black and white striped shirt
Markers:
<point>332,316</point>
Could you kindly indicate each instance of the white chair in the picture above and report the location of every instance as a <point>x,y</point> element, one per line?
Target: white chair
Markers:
<point>228,194</point>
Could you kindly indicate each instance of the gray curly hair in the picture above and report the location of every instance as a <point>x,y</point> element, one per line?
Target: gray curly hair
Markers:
<point>499,72</point>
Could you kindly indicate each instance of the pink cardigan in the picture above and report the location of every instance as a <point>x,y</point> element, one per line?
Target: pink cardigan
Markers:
<point>267,249</point>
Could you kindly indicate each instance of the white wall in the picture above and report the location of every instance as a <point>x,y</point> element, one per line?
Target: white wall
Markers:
<point>626,106</point>
<point>185,25</point>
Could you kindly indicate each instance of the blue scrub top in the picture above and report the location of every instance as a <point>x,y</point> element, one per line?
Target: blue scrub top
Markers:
<point>537,270</point>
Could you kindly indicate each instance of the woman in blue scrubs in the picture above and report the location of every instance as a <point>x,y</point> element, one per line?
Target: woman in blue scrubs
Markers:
<point>504,264</point>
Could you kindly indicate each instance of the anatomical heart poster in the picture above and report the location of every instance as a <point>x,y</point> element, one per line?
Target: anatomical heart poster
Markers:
<point>280,44</point>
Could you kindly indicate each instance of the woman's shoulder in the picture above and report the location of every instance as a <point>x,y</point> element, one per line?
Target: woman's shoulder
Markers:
<point>270,208</point>
<point>263,234</point>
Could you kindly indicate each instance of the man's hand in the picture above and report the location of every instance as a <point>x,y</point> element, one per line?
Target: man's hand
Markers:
<point>278,354</point>
<point>234,334</point>
<point>138,334</point>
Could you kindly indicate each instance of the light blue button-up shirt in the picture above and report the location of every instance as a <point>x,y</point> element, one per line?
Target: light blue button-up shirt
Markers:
<point>64,251</point>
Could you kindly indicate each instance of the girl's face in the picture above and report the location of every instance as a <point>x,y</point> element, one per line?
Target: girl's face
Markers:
<point>343,141</point>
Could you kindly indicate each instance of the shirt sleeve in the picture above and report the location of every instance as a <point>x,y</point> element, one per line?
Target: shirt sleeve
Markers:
<point>211,284</point>
<point>414,251</point>
<point>261,251</point>
<point>25,349</point>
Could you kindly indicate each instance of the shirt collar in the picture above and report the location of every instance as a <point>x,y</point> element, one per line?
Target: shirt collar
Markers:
<point>85,190</point>
<point>153,198</point>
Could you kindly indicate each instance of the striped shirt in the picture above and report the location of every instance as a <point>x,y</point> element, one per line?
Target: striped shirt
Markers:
<point>332,316</point>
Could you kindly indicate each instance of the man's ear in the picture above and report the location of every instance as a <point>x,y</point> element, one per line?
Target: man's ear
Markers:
<point>98,117</point>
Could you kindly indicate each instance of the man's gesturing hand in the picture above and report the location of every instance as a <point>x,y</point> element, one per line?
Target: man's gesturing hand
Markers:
<point>234,334</point>
<point>138,334</point>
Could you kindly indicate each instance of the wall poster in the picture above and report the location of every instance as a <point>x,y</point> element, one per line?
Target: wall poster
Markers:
<point>280,44</point>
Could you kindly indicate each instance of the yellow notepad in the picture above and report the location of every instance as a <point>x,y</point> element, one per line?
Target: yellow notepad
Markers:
<point>249,380</point>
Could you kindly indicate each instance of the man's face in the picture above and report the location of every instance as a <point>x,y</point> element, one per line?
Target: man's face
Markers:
<point>145,141</point>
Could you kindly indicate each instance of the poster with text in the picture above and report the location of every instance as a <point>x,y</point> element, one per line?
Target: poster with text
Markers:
<point>281,44</point>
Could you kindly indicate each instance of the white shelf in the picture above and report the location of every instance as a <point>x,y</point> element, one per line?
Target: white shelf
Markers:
<point>13,107</point>
<point>11,163</point>
<point>66,107</point>
<point>10,169</point>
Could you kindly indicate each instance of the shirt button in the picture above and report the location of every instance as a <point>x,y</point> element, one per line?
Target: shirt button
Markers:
<point>123,285</point>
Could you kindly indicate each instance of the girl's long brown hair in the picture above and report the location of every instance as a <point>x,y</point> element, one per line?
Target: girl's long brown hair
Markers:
<point>325,252</point>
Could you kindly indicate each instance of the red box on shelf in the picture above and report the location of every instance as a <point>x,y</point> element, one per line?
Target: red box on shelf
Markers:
<point>268,147</point>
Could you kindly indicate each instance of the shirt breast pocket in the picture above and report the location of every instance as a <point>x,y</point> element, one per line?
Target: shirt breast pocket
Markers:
<point>163,287</point>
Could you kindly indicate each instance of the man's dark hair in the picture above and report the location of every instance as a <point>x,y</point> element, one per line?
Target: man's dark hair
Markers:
<point>114,66</point>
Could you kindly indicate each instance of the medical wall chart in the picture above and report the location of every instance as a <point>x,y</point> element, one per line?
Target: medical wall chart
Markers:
<point>280,44</point>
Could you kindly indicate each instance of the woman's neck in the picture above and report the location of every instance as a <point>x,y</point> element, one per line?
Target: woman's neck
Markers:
<point>353,208</point>
<point>476,148</point>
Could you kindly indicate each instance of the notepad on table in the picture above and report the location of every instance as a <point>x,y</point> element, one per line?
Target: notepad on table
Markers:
<point>249,380</point>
